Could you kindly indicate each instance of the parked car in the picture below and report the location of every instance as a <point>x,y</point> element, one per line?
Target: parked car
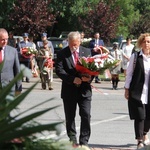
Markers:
<point>16,37</point>
<point>64,34</point>
<point>57,44</point>
<point>123,43</point>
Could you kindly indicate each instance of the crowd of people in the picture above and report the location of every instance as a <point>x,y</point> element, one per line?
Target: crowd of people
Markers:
<point>76,88</point>
<point>37,61</point>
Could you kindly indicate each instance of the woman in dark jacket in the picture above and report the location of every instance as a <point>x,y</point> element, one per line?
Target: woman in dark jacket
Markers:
<point>137,90</point>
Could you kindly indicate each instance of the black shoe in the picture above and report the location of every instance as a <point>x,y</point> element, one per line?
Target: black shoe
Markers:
<point>115,87</point>
<point>50,88</point>
<point>97,81</point>
<point>43,86</point>
<point>27,80</point>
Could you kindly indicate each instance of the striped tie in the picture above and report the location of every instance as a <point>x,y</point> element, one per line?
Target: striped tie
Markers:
<point>76,55</point>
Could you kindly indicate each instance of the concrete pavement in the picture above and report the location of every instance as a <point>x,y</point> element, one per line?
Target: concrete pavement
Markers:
<point>108,120</point>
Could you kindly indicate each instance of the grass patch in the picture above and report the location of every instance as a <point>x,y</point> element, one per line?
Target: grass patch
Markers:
<point>102,77</point>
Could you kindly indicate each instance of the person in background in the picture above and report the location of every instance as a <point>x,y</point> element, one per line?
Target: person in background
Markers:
<point>93,46</point>
<point>76,90</point>
<point>126,54</point>
<point>43,55</point>
<point>44,38</point>
<point>25,60</point>
<point>82,36</point>
<point>116,54</point>
<point>11,65</point>
<point>65,43</point>
<point>137,90</point>
<point>17,43</point>
<point>32,41</point>
<point>11,40</point>
<point>40,44</point>
<point>33,60</point>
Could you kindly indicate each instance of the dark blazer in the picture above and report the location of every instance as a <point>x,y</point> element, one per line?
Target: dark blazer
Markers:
<point>92,45</point>
<point>11,68</point>
<point>65,69</point>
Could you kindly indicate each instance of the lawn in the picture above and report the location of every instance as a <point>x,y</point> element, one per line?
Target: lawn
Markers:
<point>103,78</point>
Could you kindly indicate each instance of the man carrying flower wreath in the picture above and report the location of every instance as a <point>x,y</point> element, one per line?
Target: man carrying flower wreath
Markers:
<point>45,63</point>
<point>22,49</point>
<point>76,89</point>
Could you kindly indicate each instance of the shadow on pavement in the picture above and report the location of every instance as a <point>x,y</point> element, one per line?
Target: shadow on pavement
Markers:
<point>120,147</point>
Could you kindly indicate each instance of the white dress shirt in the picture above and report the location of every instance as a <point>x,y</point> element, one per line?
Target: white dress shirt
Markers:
<point>146,62</point>
<point>2,53</point>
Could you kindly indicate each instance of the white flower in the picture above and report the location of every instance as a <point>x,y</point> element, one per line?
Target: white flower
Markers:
<point>97,65</point>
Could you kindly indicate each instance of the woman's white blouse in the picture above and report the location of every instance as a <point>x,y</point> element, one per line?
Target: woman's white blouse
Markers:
<point>130,69</point>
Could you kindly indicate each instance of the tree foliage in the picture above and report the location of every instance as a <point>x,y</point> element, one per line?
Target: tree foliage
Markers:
<point>127,16</point>
<point>145,6</point>
<point>57,16</point>
<point>5,7</point>
<point>141,26</point>
<point>103,18</point>
<point>69,12</point>
<point>31,16</point>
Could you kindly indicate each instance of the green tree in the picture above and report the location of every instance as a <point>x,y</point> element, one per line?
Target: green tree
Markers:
<point>69,11</point>
<point>145,6</point>
<point>143,24</point>
<point>5,7</point>
<point>127,17</point>
<point>102,18</point>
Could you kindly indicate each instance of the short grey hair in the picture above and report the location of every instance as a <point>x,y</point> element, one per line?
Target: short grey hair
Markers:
<point>74,35</point>
<point>3,31</point>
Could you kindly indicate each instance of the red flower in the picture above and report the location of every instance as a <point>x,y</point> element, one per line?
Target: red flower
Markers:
<point>96,64</point>
<point>49,63</point>
<point>28,52</point>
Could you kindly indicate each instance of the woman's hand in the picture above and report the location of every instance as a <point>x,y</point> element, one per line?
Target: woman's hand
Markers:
<point>126,94</point>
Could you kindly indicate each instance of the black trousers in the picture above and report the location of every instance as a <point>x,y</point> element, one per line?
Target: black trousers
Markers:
<point>142,126</point>
<point>70,106</point>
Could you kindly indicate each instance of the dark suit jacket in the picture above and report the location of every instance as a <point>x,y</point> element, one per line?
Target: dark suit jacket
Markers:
<point>11,68</point>
<point>92,45</point>
<point>65,69</point>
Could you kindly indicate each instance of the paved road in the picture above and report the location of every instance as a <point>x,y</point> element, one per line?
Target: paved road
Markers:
<point>111,126</point>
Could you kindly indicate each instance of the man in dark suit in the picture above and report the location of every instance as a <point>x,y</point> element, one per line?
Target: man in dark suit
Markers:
<point>93,46</point>
<point>11,65</point>
<point>75,89</point>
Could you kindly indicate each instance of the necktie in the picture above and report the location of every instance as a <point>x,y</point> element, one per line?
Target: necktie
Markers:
<point>75,54</point>
<point>1,59</point>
